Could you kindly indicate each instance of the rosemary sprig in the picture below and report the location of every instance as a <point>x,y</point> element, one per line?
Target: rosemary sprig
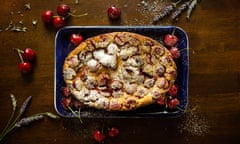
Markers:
<point>23,121</point>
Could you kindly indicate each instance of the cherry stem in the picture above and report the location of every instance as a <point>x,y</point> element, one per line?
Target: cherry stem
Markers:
<point>180,109</point>
<point>182,49</point>
<point>20,54</point>
<point>81,15</point>
<point>75,114</point>
<point>173,31</point>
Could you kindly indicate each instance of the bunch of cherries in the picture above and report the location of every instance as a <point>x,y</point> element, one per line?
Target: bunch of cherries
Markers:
<point>27,56</point>
<point>170,40</point>
<point>171,102</point>
<point>63,11</point>
<point>99,136</point>
<point>59,21</point>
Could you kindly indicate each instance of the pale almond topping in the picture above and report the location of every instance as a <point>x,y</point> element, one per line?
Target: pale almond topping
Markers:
<point>73,61</point>
<point>141,92</point>
<point>130,88</point>
<point>102,102</point>
<point>69,73</point>
<point>93,65</point>
<point>115,104</point>
<point>93,95</point>
<point>149,82</point>
<point>106,59</point>
<point>117,94</point>
<point>112,49</point>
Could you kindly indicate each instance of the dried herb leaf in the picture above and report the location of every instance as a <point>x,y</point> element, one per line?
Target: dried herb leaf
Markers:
<point>190,8</point>
<point>28,120</point>
<point>34,22</point>
<point>24,29</point>
<point>180,10</point>
<point>14,101</point>
<point>166,11</point>
<point>25,104</point>
<point>18,29</point>
<point>21,22</point>
<point>9,26</point>
<point>51,115</point>
<point>76,1</point>
<point>27,6</point>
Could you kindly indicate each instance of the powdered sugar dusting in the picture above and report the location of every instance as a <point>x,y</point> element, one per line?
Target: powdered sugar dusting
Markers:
<point>194,123</point>
<point>148,9</point>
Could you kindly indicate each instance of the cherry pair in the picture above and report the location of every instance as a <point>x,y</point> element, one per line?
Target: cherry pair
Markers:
<point>171,101</point>
<point>26,56</point>
<point>99,136</point>
<point>63,11</point>
<point>170,40</point>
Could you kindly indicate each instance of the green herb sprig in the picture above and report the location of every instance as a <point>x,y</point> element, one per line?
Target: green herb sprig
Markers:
<point>19,121</point>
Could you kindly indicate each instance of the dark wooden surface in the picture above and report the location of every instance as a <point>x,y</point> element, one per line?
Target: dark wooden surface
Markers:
<point>213,113</point>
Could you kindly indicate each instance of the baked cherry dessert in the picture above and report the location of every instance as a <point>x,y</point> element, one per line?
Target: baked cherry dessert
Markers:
<point>119,71</point>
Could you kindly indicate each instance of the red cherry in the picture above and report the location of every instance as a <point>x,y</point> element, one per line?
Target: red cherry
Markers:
<point>173,103</point>
<point>173,91</point>
<point>170,40</point>
<point>113,132</point>
<point>65,103</point>
<point>47,16</point>
<point>161,100</point>
<point>175,52</point>
<point>98,136</point>
<point>76,39</point>
<point>63,10</point>
<point>66,91</point>
<point>29,54</point>
<point>58,22</point>
<point>25,67</point>
<point>114,12</point>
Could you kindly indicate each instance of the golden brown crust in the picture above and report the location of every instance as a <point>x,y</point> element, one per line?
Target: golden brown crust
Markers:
<point>119,71</point>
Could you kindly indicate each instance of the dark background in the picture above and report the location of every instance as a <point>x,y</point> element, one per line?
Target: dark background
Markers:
<point>213,112</point>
